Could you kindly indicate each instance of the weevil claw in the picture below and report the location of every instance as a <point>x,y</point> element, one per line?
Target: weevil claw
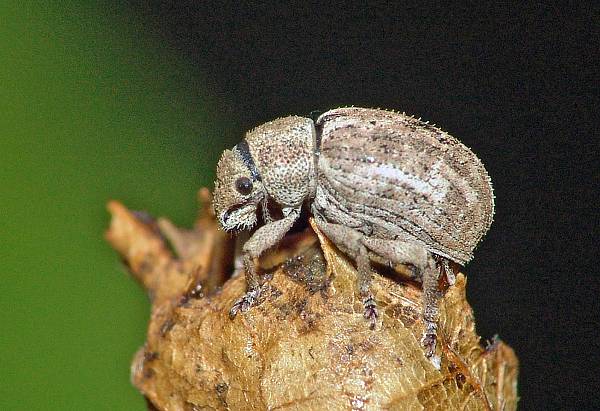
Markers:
<point>370,312</point>
<point>429,342</point>
<point>247,301</point>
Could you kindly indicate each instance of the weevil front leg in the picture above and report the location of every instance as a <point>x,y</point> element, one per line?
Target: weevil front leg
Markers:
<point>351,241</point>
<point>401,252</point>
<point>262,239</point>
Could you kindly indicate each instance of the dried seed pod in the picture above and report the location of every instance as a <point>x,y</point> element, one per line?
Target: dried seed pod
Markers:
<point>305,347</point>
<point>382,186</point>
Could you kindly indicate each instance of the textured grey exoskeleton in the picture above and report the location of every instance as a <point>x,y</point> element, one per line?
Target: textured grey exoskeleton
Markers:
<point>382,186</point>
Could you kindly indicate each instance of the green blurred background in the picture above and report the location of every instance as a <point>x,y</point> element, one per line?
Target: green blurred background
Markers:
<point>90,109</point>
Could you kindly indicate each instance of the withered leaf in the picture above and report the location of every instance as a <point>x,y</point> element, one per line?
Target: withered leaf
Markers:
<point>307,345</point>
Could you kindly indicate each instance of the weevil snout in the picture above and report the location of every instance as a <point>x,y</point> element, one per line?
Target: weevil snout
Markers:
<point>237,193</point>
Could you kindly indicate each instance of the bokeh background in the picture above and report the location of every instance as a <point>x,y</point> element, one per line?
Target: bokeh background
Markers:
<point>135,101</point>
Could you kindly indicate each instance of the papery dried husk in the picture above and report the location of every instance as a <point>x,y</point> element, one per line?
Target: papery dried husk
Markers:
<point>307,345</point>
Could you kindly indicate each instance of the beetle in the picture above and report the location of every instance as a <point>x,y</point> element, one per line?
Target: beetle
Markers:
<point>382,186</point>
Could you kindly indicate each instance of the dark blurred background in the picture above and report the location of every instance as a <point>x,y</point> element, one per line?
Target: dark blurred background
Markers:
<point>135,101</point>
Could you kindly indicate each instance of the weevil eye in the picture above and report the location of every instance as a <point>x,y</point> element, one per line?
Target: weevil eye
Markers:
<point>243,185</point>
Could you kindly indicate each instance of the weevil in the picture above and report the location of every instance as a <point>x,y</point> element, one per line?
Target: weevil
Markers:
<point>382,186</point>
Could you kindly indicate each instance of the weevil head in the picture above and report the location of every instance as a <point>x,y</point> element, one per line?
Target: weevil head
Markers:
<point>237,192</point>
<point>275,163</point>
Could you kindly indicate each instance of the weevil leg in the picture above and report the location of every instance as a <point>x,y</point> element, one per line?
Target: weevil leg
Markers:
<point>365,275</point>
<point>351,241</point>
<point>250,298</point>
<point>431,297</point>
<point>401,252</point>
<point>262,239</point>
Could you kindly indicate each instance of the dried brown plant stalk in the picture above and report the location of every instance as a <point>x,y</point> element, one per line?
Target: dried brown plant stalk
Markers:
<point>307,345</point>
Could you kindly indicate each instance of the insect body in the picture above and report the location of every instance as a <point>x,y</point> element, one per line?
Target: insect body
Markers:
<point>382,186</point>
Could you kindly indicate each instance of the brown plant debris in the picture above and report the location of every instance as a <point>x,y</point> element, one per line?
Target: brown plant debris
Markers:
<point>307,345</point>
